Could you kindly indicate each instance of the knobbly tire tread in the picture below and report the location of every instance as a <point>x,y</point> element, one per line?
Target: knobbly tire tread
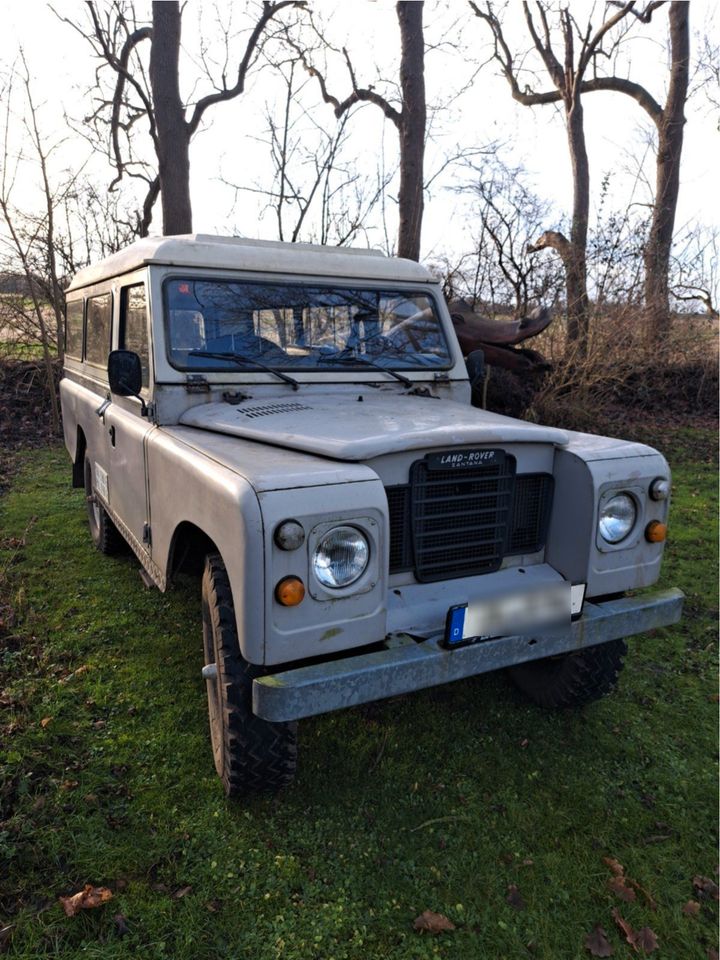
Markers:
<point>256,755</point>
<point>572,679</point>
<point>105,535</point>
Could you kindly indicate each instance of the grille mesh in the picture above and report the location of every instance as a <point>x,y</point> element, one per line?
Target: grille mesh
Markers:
<point>531,506</point>
<point>459,523</point>
<point>460,518</point>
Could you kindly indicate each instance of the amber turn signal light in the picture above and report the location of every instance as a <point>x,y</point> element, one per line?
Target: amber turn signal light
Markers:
<point>290,591</point>
<point>655,532</point>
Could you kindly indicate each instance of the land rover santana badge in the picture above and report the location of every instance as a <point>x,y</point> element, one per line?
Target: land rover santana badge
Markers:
<point>461,459</point>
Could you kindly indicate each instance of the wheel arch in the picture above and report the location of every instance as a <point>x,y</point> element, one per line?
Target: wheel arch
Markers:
<point>188,548</point>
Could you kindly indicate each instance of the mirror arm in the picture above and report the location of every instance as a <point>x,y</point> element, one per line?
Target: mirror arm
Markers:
<point>143,406</point>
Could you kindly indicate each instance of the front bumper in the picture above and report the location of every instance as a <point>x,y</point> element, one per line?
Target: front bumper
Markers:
<point>406,664</point>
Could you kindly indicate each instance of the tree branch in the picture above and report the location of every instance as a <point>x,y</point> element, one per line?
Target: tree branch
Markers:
<point>229,93</point>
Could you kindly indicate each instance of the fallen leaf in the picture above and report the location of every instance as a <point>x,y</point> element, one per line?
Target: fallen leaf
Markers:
<point>182,892</point>
<point>705,888</point>
<point>46,721</point>
<point>597,943</point>
<point>214,905</point>
<point>86,899</point>
<point>514,898</point>
<point>691,908</point>
<point>623,926</point>
<point>617,868</point>
<point>429,922</point>
<point>68,784</point>
<point>619,887</point>
<point>645,940</point>
<point>121,927</point>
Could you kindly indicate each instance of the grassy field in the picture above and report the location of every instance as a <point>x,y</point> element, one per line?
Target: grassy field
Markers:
<point>466,800</point>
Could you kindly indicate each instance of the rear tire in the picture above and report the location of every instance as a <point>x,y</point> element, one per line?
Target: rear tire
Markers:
<point>105,535</point>
<point>572,679</point>
<point>250,754</point>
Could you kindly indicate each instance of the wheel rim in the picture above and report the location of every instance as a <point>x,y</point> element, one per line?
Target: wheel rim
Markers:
<point>213,693</point>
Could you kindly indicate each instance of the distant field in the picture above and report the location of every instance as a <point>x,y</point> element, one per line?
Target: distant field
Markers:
<point>466,800</point>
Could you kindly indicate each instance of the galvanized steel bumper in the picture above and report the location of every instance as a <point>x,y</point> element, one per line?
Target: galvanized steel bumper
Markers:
<point>405,664</point>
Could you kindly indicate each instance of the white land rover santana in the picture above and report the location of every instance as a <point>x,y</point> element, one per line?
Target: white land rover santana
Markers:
<point>294,423</point>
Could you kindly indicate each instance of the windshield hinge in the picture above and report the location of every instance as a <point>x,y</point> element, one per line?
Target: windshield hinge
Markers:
<point>196,383</point>
<point>441,377</point>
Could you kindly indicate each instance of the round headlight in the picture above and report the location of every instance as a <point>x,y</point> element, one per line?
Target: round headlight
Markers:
<point>340,557</point>
<point>617,518</point>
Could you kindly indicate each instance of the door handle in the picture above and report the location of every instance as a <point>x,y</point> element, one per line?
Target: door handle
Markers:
<point>103,407</point>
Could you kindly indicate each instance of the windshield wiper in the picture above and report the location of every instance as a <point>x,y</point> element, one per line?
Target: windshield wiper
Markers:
<point>370,363</point>
<point>240,359</point>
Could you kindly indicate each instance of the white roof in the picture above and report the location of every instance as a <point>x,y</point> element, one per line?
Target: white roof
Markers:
<point>258,256</point>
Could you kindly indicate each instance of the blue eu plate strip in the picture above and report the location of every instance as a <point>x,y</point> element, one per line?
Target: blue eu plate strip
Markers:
<point>455,624</point>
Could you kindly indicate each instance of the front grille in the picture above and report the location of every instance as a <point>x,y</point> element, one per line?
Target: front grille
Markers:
<point>531,512</point>
<point>462,522</point>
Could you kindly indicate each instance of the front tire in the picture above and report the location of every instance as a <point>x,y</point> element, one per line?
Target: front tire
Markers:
<point>572,679</point>
<point>105,535</point>
<point>250,754</point>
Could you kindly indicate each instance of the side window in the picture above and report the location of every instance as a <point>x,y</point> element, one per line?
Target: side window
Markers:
<point>74,329</point>
<point>133,325</point>
<point>99,327</point>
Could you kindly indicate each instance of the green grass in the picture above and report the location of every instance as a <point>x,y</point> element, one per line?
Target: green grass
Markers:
<point>24,351</point>
<point>437,801</point>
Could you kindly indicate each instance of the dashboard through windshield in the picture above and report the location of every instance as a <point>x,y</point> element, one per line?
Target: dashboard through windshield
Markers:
<point>298,327</point>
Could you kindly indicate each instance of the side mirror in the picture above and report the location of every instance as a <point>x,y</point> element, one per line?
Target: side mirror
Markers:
<point>125,375</point>
<point>475,363</point>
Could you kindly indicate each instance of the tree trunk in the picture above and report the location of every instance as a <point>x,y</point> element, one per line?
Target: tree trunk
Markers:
<point>576,265</point>
<point>412,127</point>
<point>173,134</point>
<point>670,141</point>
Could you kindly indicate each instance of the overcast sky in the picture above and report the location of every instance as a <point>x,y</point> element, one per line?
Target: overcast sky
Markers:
<point>231,148</point>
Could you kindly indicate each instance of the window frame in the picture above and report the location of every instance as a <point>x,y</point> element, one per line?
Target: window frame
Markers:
<point>122,322</point>
<point>78,359</point>
<point>95,296</point>
<point>369,285</point>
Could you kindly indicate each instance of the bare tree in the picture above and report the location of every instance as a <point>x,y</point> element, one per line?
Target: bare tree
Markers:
<point>409,118</point>
<point>669,120</point>
<point>581,47</point>
<point>316,190</point>
<point>500,277</point>
<point>695,269</point>
<point>24,234</point>
<point>155,96</point>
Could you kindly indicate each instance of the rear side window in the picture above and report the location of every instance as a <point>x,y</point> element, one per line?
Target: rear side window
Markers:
<point>133,325</point>
<point>74,329</point>
<point>99,326</point>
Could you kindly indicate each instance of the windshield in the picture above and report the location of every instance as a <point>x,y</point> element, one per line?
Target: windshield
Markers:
<point>293,327</point>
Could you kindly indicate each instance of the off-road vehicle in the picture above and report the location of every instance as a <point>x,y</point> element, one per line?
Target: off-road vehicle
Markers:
<point>295,423</point>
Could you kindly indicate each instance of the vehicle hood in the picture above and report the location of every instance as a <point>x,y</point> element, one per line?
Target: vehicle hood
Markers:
<point>359,426</point>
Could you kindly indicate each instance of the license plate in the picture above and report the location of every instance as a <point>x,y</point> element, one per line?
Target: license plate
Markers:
<point>537,610</point>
